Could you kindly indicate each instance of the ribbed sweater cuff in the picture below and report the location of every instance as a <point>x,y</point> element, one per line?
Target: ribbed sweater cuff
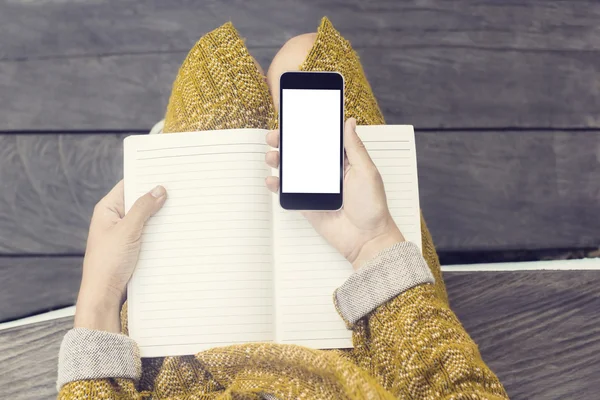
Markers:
<point>90,354</point>
<point>390,273</point>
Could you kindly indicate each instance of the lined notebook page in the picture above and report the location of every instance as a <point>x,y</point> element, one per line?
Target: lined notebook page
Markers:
<point>204,276</point>
<point>308,270</point>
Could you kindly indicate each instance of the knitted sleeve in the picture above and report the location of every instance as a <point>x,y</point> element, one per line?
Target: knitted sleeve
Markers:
<point>98,365</point>
<point>413,343</point>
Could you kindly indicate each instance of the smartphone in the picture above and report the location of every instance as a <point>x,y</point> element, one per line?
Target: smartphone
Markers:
<point>311,147</point>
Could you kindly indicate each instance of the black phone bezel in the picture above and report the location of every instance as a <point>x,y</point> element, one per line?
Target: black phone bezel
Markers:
<point>321,81</point>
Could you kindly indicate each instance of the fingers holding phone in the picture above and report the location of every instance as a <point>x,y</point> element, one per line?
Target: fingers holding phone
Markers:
<point>272,159</point>
<point>364,226</point>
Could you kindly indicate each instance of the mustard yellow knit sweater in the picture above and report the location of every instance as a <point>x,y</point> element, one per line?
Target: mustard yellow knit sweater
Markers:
<point>412,347</point>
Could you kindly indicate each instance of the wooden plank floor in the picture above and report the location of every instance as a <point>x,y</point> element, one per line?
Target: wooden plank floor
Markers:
<point>55,181</point>
<point>444,64</point>
<point>538,331</point>
<point>35,284</point>
<point>29,357</point>
<point>116,26</point>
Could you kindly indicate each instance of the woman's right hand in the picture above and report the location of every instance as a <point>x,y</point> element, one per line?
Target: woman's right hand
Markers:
<point>364,226</point>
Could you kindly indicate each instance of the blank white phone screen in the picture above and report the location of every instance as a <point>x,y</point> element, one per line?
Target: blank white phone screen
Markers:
<point>311,140</point>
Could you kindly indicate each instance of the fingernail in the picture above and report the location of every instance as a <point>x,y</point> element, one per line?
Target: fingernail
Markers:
<point>353,124</point>
<point>158,191</point>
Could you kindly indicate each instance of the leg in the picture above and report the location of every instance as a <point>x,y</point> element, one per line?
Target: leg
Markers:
<point>219,86</point>
<point>327,50</point>
<point>288,58</point>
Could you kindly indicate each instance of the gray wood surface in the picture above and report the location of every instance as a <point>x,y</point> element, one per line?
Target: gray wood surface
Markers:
<point>131,26</point>
<point>510,190</point>
<point>479,190</point>
<point>109,64</point>
<point>32,285</point>
<point>50,186</point>
<point>29,356</point>
<point>538,331</point>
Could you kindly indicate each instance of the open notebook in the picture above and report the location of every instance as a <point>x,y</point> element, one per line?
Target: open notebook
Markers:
<point>222,263</point>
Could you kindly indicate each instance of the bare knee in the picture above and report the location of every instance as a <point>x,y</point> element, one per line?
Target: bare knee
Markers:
<point>292,54</point>
<point>288,58</point>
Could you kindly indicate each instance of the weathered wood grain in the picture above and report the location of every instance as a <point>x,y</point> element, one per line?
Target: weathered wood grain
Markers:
<point>122,92</point>
<point>538,331</point>
<point>130,26</point>
<point>33,285</point>
<point>50,185</point>
<point>510,190</point>
<point>478,190</point>
<point>29,357</point>
<point>109,64</point>
<point>115,92</point>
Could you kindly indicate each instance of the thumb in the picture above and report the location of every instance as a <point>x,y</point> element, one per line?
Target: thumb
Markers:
<point>355,149</point>
<point>145,207</point>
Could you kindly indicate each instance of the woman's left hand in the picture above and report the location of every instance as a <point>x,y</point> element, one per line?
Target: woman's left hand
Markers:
<point>111,254</point>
